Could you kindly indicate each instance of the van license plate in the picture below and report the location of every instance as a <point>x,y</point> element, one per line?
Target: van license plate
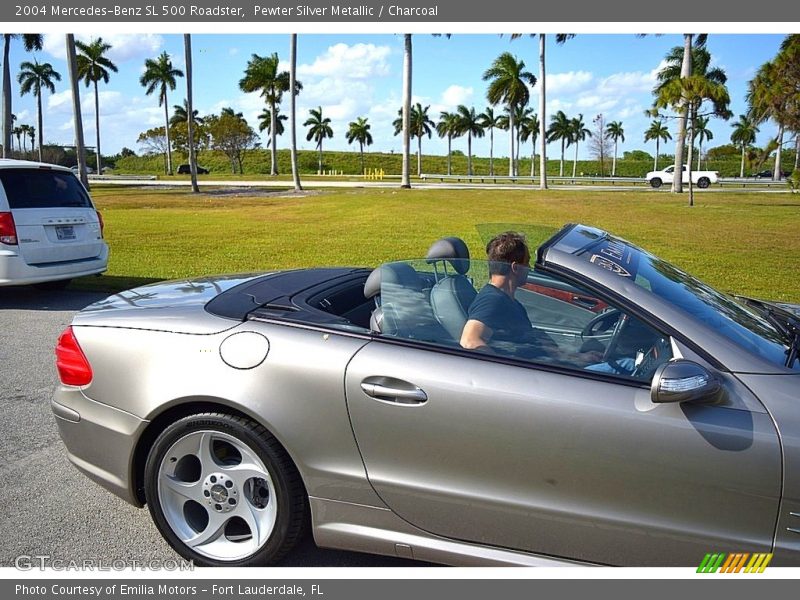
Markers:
<point>65,232</point>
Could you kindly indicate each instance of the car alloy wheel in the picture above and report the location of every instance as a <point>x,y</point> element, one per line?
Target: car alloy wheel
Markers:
<point>655,182</point>
<point>223,492</point>
<point>703,182</point>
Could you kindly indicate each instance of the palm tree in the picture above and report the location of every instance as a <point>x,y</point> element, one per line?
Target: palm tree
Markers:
<point>292,108</point>
<point>420,125</point>
<point>448,127</point>
<point>160,75</point>
<point>77,118</point>
<point>180,112</point>
<point>578,134</point>
<point>744,134</point>
<point>265,123</point>
<point>529,130</point>
<point>319,129</point>
<point>31,41</point>
<point>561,38</point>
<point>94,66</point>
<point>693,91</point>
<point>560,129</point>
<point>262,75</point>
<point>702,133</point>
<point>490,121</point>
<point>359,132</point>
<point>469,123</point>
<point>23,133</point>
<point>770,96</point>
<point>520,114</point>
<point>189,112</point>
<point>405,113</point>
<point>17,131</point>
<point>508,85</point>
<point>658,132</point>
<point>32,135</point>
<point>33,78</point>
<point>614,131</point>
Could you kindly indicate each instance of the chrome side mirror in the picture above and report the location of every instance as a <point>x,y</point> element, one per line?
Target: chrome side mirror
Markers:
<point>684,381</point>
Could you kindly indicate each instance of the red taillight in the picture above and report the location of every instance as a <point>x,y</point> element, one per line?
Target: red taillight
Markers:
<point>102,225</point>
<point>8,231</point>
<point>73,368</point>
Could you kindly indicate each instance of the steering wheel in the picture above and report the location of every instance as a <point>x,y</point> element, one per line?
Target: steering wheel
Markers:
<point>651,360</point>
<point>601,323</point>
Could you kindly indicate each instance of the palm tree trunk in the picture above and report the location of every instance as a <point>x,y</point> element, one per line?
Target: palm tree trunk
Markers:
<point>406,175</point>
<point>797,151</point>
<point>187,48</point>
<point>96,127</point>
<point>491,150</point>
<point>542,119</point>
<point>741,169</point>
<point>6,96</point>
<point>655,162</point>
<point>450,154</point>
<point>575,162</point>
<point>320,155</point>
<point>166,132</point>
<point>689,165</point>
<point>293,104</point>
<point>614,163</point>
<point>699,152</point>
<point>686,71</point>
<point>273,124</point>
<point>419,155</point>
<point>533,158</point>
<point>776,172</point>
<point>519,143</point>
<point>72,65</point>
<point>361,148</point>
<point>469,153</point>
<point>561,164</point>
<point>510,141</point>
<point>39,121</point>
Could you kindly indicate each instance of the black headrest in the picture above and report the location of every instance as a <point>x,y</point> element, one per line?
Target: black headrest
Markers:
<point>401,274</point>
<point>452,249</point>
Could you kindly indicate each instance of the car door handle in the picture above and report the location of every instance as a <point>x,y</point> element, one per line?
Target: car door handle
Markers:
<point>397,391</point>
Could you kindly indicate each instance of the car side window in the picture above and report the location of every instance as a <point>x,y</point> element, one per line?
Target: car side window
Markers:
<point>589,333</point>
<point>558,322</point>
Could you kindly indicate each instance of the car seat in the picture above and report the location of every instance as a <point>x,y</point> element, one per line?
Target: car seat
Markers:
<point>453,293</point>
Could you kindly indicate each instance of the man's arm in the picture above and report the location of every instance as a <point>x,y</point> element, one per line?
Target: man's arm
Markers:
<point>475,336</point>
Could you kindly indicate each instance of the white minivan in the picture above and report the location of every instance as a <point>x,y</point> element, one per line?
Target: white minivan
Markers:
<point>50,231</point>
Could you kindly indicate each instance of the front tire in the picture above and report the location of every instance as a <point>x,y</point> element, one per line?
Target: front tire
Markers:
<point>656,182</point>
<point>703,183</point>
<point>223,492</point>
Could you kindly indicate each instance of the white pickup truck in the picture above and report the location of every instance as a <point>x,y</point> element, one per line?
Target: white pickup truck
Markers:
<point>701,179</point>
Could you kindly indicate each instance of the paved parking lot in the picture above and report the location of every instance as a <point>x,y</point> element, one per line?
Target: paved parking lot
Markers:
<point>49,508</point>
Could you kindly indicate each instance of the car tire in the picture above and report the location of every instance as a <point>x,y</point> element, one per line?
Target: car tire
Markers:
<point>223,491</point>
<point>52,286</point>
<point>703,183</point>
<point>656,182</point>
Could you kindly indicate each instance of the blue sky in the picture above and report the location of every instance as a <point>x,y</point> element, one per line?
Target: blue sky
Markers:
<point>352,75</point>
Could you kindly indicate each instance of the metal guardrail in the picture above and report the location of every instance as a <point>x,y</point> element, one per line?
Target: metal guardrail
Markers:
<point>725,181</point>
<point>122,177</point>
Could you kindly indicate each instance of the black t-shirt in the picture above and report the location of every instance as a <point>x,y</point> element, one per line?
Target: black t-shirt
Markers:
<point>512,331</point>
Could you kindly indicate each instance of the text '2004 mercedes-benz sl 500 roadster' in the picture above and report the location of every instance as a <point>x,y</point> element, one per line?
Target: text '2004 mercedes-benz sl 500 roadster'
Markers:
<point>664,423</point>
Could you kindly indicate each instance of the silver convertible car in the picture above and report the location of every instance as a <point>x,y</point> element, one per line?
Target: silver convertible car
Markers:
<point>242,410</point>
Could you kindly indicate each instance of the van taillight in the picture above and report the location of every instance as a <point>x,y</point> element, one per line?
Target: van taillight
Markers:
<point>102,224</point>
<point>73,368</point>
<point>8,231</point>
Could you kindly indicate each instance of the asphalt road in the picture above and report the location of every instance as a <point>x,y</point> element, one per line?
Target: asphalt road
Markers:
<point>48,507</point>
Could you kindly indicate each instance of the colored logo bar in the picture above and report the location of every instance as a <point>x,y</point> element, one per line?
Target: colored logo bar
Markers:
<point>737,562</point>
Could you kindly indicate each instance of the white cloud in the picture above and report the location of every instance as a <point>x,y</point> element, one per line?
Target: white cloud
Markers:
<point>359,61</point>
<point>568,83</point>
<point>455,95</point>
<point>123,47</point>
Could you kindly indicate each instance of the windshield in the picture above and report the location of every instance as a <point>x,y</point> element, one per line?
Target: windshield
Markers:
<point>741,324</point>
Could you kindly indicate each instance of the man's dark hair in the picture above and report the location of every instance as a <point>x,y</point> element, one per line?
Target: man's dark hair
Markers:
<point>505,248</point>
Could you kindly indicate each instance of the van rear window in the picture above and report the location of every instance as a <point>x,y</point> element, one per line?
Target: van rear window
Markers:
<point>43,188</point>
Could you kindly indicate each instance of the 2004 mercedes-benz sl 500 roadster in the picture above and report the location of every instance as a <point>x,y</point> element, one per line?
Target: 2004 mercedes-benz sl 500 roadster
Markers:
<point>664,425</point>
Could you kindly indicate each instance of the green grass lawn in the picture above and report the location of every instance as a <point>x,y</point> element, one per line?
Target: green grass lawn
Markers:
<point>746,243</point>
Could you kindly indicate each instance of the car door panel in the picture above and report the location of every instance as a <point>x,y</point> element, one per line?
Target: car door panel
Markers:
<point>553,463</point>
